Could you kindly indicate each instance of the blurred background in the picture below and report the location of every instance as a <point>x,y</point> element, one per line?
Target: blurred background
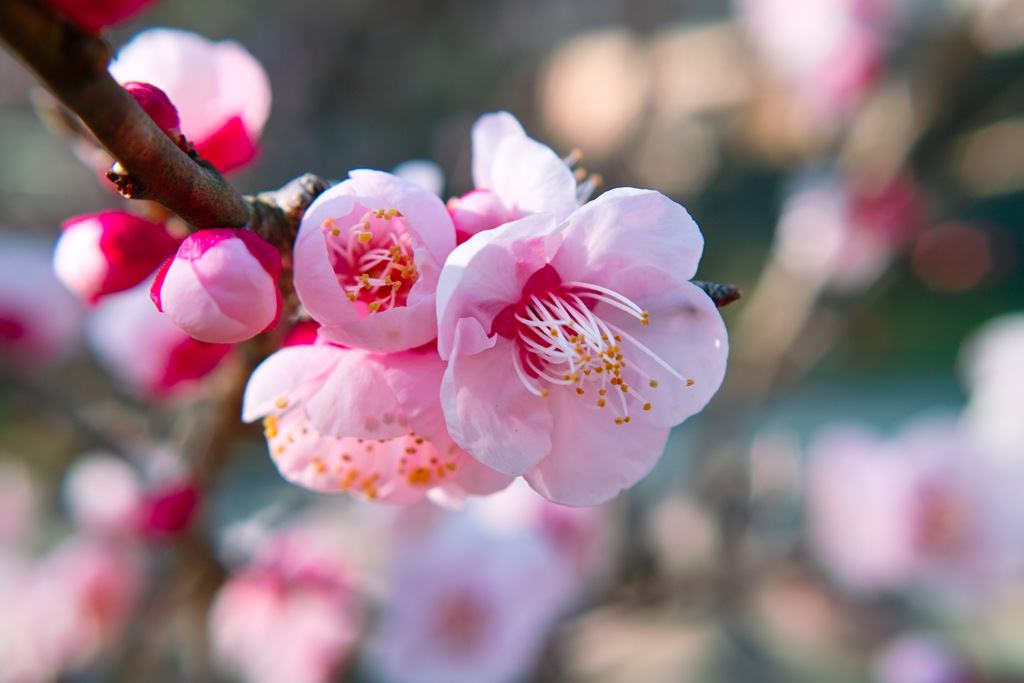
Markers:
<point>845,509</point>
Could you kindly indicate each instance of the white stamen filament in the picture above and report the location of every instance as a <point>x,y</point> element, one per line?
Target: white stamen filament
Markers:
<point>561,341</point>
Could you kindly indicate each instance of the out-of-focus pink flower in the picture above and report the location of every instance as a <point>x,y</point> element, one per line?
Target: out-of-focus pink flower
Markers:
<point>367,259</point>
<point>514,176</point>
<point>97,14</point>
<point>221,286</point>
<point>291,616</point>
<point>832,234</point>
<point>221,92</point>
<point>111,251</point>
<point>103,493</point>
<point>921,510</point>
<point>468,607</point>
<point>17,501</point>
<point>107,495</point>
<point>141,347</point>
<point>347,420</point>
<point>829,52</point>
<point>919,658</point>
<point>40,322</point>
<point>993,364</point>
<point>63,610</point>
<point>575,347</point>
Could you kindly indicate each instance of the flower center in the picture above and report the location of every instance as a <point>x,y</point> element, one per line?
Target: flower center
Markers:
<point>373,259</point>
<point>559,340</point>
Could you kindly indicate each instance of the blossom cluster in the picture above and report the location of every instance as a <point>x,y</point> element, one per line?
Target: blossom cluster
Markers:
<point>518,330</point>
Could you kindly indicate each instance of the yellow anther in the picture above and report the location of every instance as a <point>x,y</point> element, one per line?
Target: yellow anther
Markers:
<point>543,392</point>
<point>318,466</point>
<point>653,383</point>
<point>419,475</point>
<point>270,426</point>
<point>647,406</point>
<point>618,339</point>
<point>602,392</point>
<point>619,420</point>
<point>626,419</point>
<point>600,403</point>
<point>689,382</point>
<point>335,232</point>
<point>365,236</point>
<point>579,391</point>
<point>351,296</point>
<point>281,402</point>
<point>374,306</point>
<point>328,223</point>
<point>554,333</point>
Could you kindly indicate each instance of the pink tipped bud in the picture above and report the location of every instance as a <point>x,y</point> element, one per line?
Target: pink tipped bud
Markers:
<point>158,105</point>
<point>169,510</point>
<point>111,251</point>
<point>477,211</point>
<point>97,14</point>
<point>221,286</point>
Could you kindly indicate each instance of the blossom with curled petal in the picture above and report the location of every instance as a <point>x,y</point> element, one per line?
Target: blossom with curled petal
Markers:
<point>514,176</point>
<point>367,258</point>
<point>220,90</point>
<point>348,420</point>
<point>574,347</point>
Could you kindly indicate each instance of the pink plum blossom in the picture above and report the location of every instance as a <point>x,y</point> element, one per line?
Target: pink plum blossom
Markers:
<point>221,286</point>
<point>221,92</point>
<point>143,349</point>
<point>920,658</point>
<point>65,609</point>
<point>575,347</point>
<point>107,495</point>
<point>514,176</point>
<point>348,420</point>
<point>367,259</point>
<point>98,14</point>
<point>830,233</point>
<point>40,322</point>
<point>827,52</point>
<point>289,616</point>
<point>467,606</point>
<point>918,511</point>
<point>111,251</point>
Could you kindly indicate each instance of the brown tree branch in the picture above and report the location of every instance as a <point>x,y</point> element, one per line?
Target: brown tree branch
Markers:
<point>72,63</point>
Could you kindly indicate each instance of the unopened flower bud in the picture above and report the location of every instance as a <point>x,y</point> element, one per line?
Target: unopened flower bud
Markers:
<point>97,14</point>
<point>168,510</point>
<point>221,286</point>
<point>158,105</point>
<point>477,211</point>
<point>111,251</point>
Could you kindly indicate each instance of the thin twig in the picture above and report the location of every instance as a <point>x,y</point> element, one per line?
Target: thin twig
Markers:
<point>72,64</point>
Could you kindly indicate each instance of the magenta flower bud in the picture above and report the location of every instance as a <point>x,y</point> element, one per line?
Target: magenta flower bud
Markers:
<point>168,510</point>
<point>158,105</point>
<point>97,14</point>
<point>111,251</point>
<point>221,286</point>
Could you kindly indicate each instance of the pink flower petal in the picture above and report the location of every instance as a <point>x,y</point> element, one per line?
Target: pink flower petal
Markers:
<point>278,378</point>
<point>626,227</point>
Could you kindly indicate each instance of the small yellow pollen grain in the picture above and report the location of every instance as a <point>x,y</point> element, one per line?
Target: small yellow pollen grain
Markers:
<point>689,382</point>
<point>653,383</point>
<point>647,406</point>
<point>579,391</point>
<point>619,420</point>
<point>281,403</point>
